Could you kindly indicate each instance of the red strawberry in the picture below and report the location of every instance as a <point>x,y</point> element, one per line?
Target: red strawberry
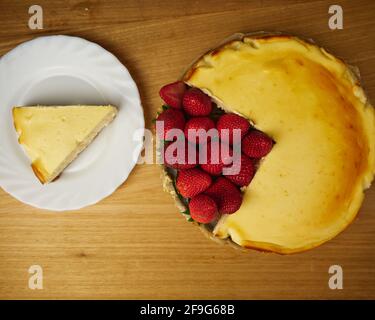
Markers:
<point>173,93</point>
<point>196,103</point>
<point>256,144</point>
<point>226,195</point>
<point>203,208</point>
<point>199,123</point>
<point>231,121</point>
<point>172,119</point>
<point>191,182</point>
<point>184,158</point>
<point>245,172</point>
<point>214,163</point>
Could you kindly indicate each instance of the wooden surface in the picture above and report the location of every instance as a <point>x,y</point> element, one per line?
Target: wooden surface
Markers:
<point>134,244</point>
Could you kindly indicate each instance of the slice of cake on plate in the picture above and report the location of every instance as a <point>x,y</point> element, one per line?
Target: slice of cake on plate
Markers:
<point>53,136</point>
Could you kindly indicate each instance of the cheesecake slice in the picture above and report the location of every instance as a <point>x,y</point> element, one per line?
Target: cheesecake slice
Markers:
<point>53,136</point>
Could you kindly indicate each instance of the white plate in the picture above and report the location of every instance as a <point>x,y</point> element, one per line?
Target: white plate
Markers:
<point>61,70</point>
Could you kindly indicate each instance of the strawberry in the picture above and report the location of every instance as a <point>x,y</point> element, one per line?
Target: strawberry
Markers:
<point>172,119</point>
<point>183,159</point>
<point>226,195</point>
<point>203,208</point>
<point>191,182</point>
<point>198,123</point>
<point>229,122</point>
<point>173,93</point>
<point>245,174</point>
<point>196,103</point>
<point>256,144</point>
<point>215,162</point>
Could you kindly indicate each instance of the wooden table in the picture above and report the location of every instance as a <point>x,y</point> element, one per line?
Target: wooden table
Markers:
<point>134,244</point>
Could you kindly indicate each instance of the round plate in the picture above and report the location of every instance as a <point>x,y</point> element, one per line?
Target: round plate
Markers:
<point>63,70</point>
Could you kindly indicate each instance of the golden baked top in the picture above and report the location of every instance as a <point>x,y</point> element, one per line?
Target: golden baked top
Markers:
<point>53,135</point>
<point>310,186</point>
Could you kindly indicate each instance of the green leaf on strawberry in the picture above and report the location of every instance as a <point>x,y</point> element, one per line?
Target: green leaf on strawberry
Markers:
<point>187,212</point>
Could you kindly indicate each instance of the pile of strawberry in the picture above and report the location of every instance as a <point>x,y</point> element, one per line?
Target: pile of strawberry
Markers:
<point>209,193</point>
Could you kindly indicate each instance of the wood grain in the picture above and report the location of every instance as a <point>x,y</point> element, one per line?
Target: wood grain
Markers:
<point>134,244</point>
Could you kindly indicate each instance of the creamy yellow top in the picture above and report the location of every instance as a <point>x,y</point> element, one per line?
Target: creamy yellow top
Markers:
<point>310,186</point>
<point>51,135</point>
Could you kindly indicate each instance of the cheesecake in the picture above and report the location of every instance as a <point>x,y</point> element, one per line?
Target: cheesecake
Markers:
<point>311,185</point>
<point>53,136</point>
